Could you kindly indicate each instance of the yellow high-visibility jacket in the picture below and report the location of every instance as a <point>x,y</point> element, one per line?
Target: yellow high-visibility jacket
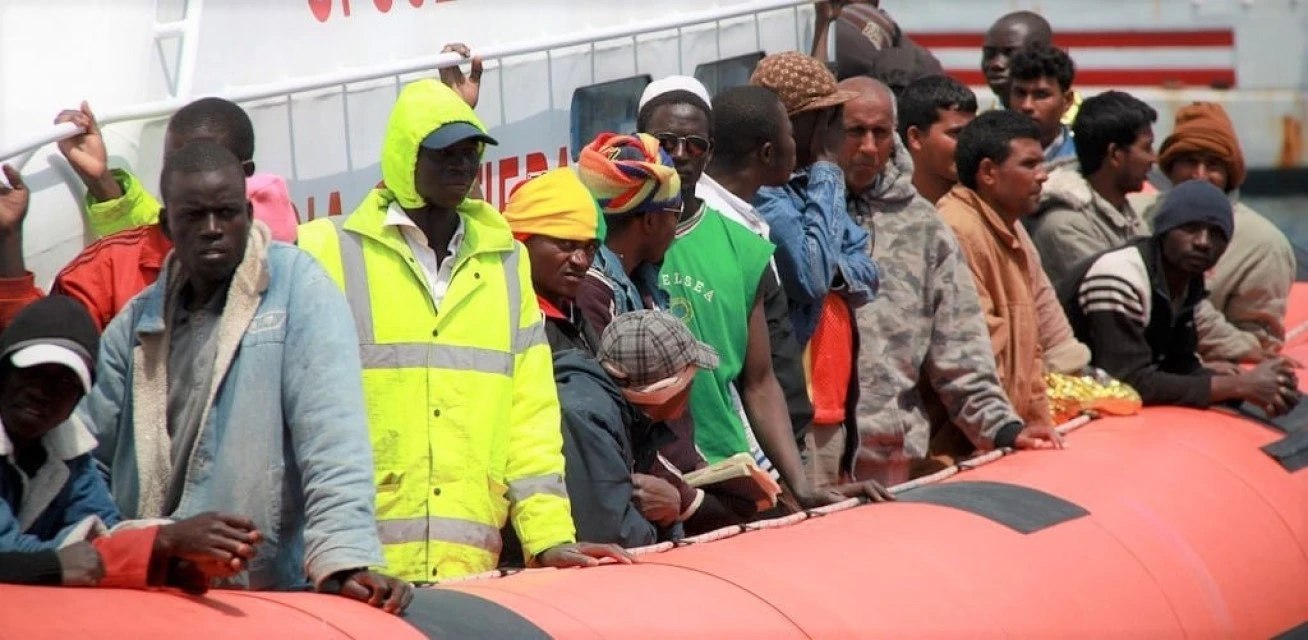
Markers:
<point>461,400</point>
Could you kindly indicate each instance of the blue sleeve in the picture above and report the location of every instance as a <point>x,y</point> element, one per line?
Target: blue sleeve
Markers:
<point>322,401</point>
<point>859,272</point>
<point>88,495</point>
<point>85,494</point>
<point>806,232</point>
<point>100,409</point>
<point>12,537</point>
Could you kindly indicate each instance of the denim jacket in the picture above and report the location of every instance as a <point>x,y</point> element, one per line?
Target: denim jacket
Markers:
<point>608,292</point>
<point>284,439</point>
<point>820,249</point>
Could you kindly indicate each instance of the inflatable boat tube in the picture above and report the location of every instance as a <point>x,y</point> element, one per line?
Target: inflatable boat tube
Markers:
<point>1174,523</point>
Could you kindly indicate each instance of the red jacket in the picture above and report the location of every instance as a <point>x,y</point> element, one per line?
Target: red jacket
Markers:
<point>16,293</point>
<point>110,272</point>
<point>126,556</point>
<point>103,277</point>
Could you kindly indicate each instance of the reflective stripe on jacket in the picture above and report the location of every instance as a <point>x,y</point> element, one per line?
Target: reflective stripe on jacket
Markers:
<point>461,400</point>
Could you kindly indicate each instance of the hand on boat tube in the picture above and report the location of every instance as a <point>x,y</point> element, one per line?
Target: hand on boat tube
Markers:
<point>870,489</point>
<point>87,154</point>
<point>1272,386</point>
<point>582,554</point>
<point>656,498</point>
<point>810,498</point>
<point>469,87</point>
<point>391,595</point>
<point>80,565</point>
<point>219,545</point>
<point>1038,436</point>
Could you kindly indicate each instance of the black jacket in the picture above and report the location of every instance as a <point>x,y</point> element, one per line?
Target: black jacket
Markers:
<point>35,567</point>
<point>1118,303</point>
<point>605,439</point>
<point>571,333</point>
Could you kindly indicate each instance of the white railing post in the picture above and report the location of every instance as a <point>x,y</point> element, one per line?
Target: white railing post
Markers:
<point>188,30</point>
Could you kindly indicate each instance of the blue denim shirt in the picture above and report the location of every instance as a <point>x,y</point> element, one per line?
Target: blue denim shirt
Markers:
<point>286,439</point>
<point>627,290</point>
<point>820,248</point>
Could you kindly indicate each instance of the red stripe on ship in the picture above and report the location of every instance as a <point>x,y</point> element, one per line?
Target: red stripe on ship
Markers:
<point>1091,39</point>
<point>1127,77</point>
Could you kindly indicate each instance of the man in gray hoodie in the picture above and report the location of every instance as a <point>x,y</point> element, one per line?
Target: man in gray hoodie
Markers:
<point>925,359</point>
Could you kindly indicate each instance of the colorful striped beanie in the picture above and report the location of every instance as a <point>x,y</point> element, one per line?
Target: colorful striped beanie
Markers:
<point>629,174</point>
<point>555,204</point>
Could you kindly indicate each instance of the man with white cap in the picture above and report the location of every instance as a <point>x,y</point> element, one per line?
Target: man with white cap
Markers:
<point>48,481</point>
<point>51,494</point>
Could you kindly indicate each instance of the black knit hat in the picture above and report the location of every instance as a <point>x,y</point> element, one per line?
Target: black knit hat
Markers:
<point>1195,201</point>
<point>52,330</point>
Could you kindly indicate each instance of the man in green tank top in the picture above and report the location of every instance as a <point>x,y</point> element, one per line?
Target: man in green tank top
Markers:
<point>712,275</point>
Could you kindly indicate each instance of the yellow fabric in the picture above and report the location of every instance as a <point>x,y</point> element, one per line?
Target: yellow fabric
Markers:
<point>136,207</point>
<point>554,204</point>
<point>459,447</point>
<point>421,108</point>
<point>1069,116</point>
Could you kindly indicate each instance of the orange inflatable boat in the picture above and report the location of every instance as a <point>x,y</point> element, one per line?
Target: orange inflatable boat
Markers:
<point>1173,523</point>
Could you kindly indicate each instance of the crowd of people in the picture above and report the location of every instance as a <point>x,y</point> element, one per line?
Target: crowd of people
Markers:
<point>850,281</point>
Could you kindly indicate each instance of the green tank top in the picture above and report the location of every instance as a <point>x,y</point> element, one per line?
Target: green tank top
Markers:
<point>711,273</point>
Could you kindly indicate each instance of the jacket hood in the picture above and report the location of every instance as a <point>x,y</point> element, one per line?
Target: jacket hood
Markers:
<point>896,181</point>
<point>421,108</point>
<point>1066,187</point>
<point>272,205</point>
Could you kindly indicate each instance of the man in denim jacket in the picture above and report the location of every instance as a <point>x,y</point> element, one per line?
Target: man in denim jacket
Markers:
<point>820,249</point>
<point>233,381</point>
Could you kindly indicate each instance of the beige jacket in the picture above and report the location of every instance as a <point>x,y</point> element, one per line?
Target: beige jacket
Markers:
<point>1074,222</point>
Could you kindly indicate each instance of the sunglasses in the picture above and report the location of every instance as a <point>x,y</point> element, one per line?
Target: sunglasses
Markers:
<point>696,146</point>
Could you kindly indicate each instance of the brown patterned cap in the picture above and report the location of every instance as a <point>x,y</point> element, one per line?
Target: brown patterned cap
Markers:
<point>802,82</point>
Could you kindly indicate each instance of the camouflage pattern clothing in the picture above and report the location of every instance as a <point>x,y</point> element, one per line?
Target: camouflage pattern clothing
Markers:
<point>926,359</point>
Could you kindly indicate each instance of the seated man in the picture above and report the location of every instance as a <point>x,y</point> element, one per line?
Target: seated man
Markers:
<point>1000,171</point>
<point>52,497</point>
<point>640,194</point>
<point>560,224</point>
<point>1084,208</point>
<point>1041,87</point>
<point>1135,307</point>
<point>1251,282</point>
<point>233,382</point>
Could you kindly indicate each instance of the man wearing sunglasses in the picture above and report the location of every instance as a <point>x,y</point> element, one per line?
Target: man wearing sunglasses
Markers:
<point>722,306</point>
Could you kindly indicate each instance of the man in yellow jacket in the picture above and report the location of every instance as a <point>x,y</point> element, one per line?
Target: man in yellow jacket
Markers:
<point>456,370</point>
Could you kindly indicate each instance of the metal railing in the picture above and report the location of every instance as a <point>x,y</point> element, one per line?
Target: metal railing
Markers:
<point>158,109</point>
